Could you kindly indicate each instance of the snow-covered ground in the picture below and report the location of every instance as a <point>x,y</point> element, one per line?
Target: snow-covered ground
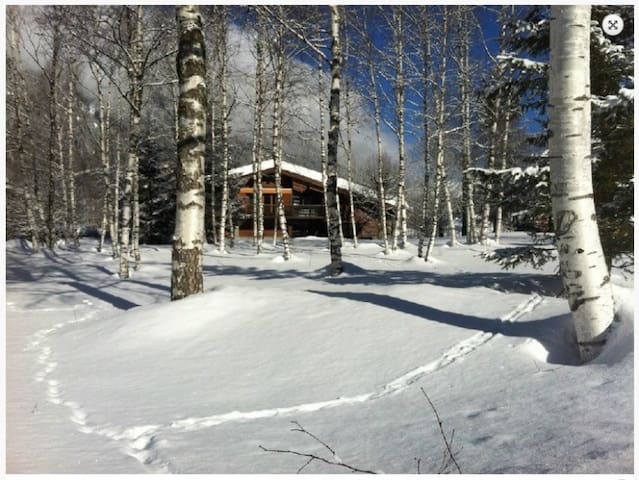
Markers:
<point>109,376</point>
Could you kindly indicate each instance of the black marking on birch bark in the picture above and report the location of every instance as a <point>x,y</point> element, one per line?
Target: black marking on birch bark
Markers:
<point>573,274</point>
<point>184,206</point>
<point>574,305</point>
<point>592,343</point>
<point>592,253</point>
<point>606,279</point>
<point>582,98</point>
<point>580,250</point>
<point>573,135</point>
<point>593,217</point>
<point>580,197</point>
<point>565,221</point>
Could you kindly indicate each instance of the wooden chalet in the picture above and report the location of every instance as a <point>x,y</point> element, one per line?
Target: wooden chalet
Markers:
<point>303,198</point>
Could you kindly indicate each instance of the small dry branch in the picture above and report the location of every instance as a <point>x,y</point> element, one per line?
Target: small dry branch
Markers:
<point>449,456</point>
<point>311,457</point>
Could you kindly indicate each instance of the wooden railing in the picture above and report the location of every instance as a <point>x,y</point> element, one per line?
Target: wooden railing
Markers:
<point>291,211</point>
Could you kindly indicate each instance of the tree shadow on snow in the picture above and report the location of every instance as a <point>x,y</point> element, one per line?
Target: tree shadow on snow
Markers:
<point>117,302</point>
<point>508,282</point>
<point>554,334</point>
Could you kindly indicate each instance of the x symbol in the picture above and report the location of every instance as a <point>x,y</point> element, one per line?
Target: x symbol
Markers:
<point>612,24</point>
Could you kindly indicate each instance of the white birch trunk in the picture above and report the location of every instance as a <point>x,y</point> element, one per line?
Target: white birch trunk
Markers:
<point>224,140</point>
<point>465,94</point>
<point>104,158</point>
<point>258,147</point>
<point>440,173</point>
<point>322,130</point>
<point>259,135</point>
<point>63,187</point>
<point>426,95</point>
<point>585,276</point>
<point>400,229</point>
<point>116,202</point>
<point>53,135</point>
<point>381,194</point>
<point>135,74</point>
<point>336,266</point>
<point>73,218</point>
<point>492,162</point>
<point>186,273</point>
<point>503,165</point>
<point>349,155</point>
<point>452,233</point>
<point>277,145</point>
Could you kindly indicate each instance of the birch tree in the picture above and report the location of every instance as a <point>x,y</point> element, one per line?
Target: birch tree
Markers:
<point>16,93</point>
<point>400,219</point>
<point>186,272</point>
<point>468,203</point>
<point>257,150</point>
<point>276,137</point>
<point>336,267</point>
<point>584,273</point>
<point>73,217</point>
<point>425,33</point>
<point>440,185</point>
<point>349,140</point>
<point>367,39</point>
<point>223,144</point>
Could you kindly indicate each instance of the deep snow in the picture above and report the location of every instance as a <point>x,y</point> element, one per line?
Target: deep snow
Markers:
<point>108,376</point>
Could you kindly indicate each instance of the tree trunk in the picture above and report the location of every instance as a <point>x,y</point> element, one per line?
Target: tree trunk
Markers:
<point>492,162</point>
<point>440,172</point>
<point>277,143</point>
<point>73,218</point>
<point>186,273</point>
<point>106,174</point>
<point>336,267</point>
<point>53,134</point>
<point>381,194</point>
<point>63,188</point>
<point>400,229</point>
<point>470,227</point>
<point>115,216</point>
<point>258,133</point>
<point>128,201</point>
<point>349,150</point>
<point>19,97</point>
<point>503,165</point>
<point>426,78</point>
<point>585,276</point>
<point>224,140</point>
<point>323,159</point>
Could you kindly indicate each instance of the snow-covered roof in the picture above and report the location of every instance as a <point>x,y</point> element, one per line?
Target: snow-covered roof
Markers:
<point>302,172</point>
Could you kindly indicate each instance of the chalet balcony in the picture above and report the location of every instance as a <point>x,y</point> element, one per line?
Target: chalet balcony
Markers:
<point>310,211</point>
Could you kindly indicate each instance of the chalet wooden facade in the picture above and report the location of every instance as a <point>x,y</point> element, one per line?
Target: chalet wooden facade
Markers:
<point>303,199</point>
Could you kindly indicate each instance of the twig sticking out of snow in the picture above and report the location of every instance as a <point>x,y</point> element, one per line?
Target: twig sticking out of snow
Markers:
<point>336,460</point>
<point>449,456</point>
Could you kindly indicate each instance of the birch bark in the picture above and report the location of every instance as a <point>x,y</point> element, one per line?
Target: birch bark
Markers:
<point>186,273</point>
<point>73,218</point>
<point>336,266</point>
<point>440,172</point>
<point>381,194</point>
<point>585,276</point>
<point>400,229</point>
<point>277,143</point>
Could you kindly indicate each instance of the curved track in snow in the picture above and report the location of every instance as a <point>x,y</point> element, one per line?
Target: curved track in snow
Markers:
<point>142,441</point>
